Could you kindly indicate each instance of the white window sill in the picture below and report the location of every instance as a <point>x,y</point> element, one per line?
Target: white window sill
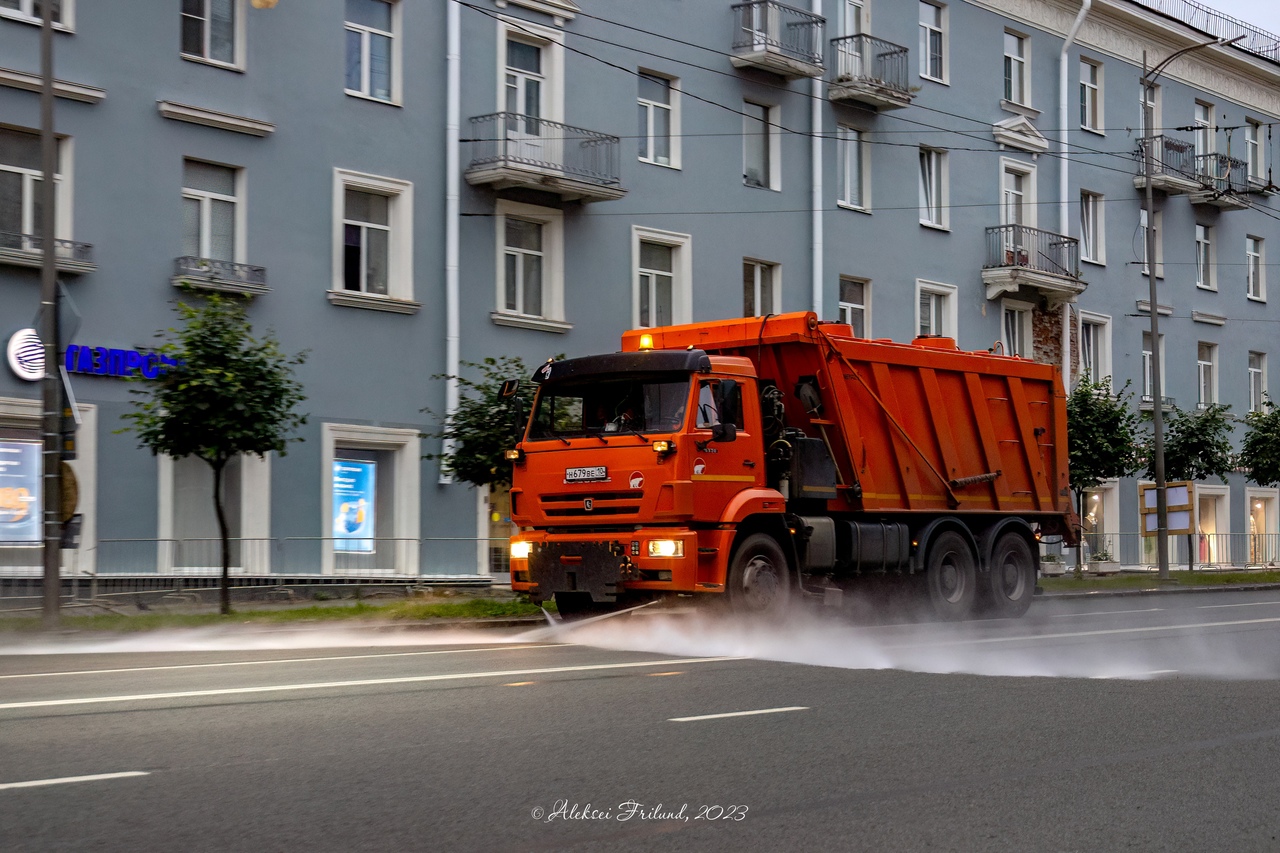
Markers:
<point>761,187</point>
<point>934,79</point>
<point>1095,131</point>
<point>856,208</point>
<point>1096,263</point>
<point>362,96</point>
<point>15,15</point>
<point>673,166</point>
<point>1261,299</point>
<point>522,321</point>
<point>373,301</point>
<point>1019,109</point>
<point>1212,288</point>
<point>204,60</point>
<point>934,226</point>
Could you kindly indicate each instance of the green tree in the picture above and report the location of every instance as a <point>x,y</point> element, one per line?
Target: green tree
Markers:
<point>228,394</point>
<point>1260,450</point>
<point>483,428</point>
<point>1102,439</point>
<point>1197,444</point>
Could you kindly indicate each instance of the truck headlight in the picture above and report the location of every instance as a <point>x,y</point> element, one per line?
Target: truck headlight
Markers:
<point>520,550</point>
<point>666,548</point>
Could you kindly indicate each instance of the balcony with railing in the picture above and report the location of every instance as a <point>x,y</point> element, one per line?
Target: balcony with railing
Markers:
<point>27,250</point>
<point>870,71</point>
<point>1173,164</point>
<point>1147,402</point>
<point>776,37</point>
<point>225,276</point>
<point>1223,181</point>
<point>1019,256</point>
<point>512,150</point>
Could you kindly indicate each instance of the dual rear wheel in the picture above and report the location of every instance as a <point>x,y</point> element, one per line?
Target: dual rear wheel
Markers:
<point>957,590</point>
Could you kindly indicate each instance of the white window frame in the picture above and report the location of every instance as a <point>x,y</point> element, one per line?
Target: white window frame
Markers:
<point>1101,345</point>
<point>946,303</point>
<point>1206,374</point>
<point>62,186</point>
<point>673,120</point>
<point>552,44</point>
<point>407,465</point>
<point>1093,228</point>
<point>1020,315</point>
<point>925,31</point>
<point>255,511</point>
<point>1091,96</point>
<point>1204,135</point>
<point>1156,101</point>
<point>399,296</point>
<point>1257,380</point>
<point>1010,166</point>
<point>846,309</point>
<point>397,50</point>
<point>1206,271</point>
<point>851,156</point>
<point>935,212</point>
<point>1147,385</point>
<point>681,271</point>
<point>1255,253</point>
<point>1017,66</point>
<point>1255,153</point>
<point>1142,237</point>
<point>238,34</point>
<point>552,221</point>
<point>205,198</point>
<point>854,17</point>
<point>772,148</point>
<point>774,285</point>
<point>27,15</point>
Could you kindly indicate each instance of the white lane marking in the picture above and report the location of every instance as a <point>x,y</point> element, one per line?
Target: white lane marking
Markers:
<point>1245,604</point>
<point>1068,634</point>
<point>1129,675</point>
<point>280,660</point>
<point>737,714</point>
<point>1105,613</point>
<point>321,685</point>
<point>67,780</point>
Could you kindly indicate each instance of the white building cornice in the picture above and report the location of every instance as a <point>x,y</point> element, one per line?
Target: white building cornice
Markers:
<point>61,88</point>
<point>213,118</point>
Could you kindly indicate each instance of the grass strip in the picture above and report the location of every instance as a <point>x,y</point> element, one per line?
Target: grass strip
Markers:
<point>1068,583</point>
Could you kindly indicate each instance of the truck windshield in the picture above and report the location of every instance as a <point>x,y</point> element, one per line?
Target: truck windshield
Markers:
<point>603,406</point>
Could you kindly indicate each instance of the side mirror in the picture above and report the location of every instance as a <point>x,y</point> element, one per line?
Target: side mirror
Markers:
<point>509,388</point>
<point>508,391</point>
<point>724,432</point>
<point>728,401</point>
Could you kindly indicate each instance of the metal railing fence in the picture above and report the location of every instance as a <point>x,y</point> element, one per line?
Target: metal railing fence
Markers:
<point>1207,20</point>
<point>766,25</point>
<point>1169,156</point>
<point>1203,550</point>
<point>865,58</point>
<point>502,139</point>
<point>1222,173</point>
<point>189,266</point>
<point>67,250</point>
<point>1033,248</point>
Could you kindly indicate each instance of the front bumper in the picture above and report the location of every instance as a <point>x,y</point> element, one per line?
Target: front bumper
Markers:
<point>604,566</point>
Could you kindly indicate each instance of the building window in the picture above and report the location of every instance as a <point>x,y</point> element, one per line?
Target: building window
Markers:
<point>760,282</point>
<point>209,30</point>
<point>530,264</point>
<point>850,152</point>
<point>1016,329</point>
<point>936,313</point>
<point>1205,273</point>
<point>1142,238</point>
<point>1149,99</point>
<point>933,188</point>
<point>371,49</point>
<point>377,470</point>
<point>662,261</point>
<point>1257,380</point>
<point>659,120</point>
<point>1148,376</point>
<point>1207,374</point>
<point>210,211</point>
<point>1203,124</point>
<point>759,146</point>
<point>855,305</point>
<point>20,178</point>
<point>32,11</point>
<point>1256,268</point>
<point>1095,346</point>
<point>187,515</point>
<point>1015,69</point>
<point>1253,149</point>
<point>933,42</point>
<point>1090,95</point>
<point>1092,244</point>
<point>373,252</point>
<point>524,79</point>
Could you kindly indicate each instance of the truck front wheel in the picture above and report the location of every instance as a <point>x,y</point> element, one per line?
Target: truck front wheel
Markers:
<point>759,583</point>
<point>950,576</point>
<point>1012,580</point>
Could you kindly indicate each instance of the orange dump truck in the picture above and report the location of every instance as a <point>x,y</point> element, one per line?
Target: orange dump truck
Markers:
<point>760,460</point>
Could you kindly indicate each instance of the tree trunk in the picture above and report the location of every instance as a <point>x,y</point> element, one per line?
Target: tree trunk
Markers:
<point>225,586</point>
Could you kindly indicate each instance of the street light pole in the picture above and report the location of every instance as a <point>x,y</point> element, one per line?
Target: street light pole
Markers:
<point>1157,390</point>
<point>51,413</point>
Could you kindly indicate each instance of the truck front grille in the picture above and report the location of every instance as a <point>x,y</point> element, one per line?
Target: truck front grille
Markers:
<point>602,504</point>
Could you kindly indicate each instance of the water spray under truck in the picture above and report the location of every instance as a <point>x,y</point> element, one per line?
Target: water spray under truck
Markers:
<point>760,461</point>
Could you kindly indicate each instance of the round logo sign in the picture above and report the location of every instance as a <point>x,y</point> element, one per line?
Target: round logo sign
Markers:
<point>26,355</point>
<point>699,465</point>
<point>637,480</point>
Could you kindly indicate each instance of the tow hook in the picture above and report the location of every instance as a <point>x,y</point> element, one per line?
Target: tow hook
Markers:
<point>628,570</point>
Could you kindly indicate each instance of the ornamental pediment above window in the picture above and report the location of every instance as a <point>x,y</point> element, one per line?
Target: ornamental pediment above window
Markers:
<point>1018,132</point>
<point>559,10</point>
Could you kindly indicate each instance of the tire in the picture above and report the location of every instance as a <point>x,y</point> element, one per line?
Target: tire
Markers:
<point>950,577</point>
<point>1011,583</point>
<point>759,582</point>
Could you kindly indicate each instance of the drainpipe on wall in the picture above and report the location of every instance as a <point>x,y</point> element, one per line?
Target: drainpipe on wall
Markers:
<point>452,216</point>
<point>815,202</point>
<point>1064,185</point>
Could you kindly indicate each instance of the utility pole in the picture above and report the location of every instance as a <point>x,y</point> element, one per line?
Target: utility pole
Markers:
<point>51,413</point>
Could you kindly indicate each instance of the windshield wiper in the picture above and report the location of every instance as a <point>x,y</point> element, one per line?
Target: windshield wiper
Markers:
<point>555,434</point>
<point>626,430</point>
<point>597,434</point>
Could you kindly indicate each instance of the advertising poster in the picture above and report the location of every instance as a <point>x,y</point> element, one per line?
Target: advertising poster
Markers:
<point>20,506</point>
<point>353,504</point>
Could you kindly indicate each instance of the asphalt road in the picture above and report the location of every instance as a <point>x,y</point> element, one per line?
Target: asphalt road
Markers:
<point>1122,723</point>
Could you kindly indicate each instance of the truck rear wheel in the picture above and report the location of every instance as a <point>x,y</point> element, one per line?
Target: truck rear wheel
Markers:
<point>950,576</point>
<point>1011,582</point>
<point>759,583</point>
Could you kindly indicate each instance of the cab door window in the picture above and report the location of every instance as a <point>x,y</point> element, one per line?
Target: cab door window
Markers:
<point>709,412</point>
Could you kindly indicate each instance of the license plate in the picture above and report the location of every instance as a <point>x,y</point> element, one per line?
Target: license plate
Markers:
<point>586,475</point>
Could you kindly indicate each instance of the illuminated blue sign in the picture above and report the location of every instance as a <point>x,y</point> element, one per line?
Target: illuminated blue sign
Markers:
<point>353,505</point>
<point>20,492</point>
<point>101,361</point>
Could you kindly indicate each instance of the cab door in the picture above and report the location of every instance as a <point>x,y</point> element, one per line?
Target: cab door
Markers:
<point>721,469</point>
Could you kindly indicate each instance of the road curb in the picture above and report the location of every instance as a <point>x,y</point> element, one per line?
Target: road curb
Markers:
<point>1123,593</point>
